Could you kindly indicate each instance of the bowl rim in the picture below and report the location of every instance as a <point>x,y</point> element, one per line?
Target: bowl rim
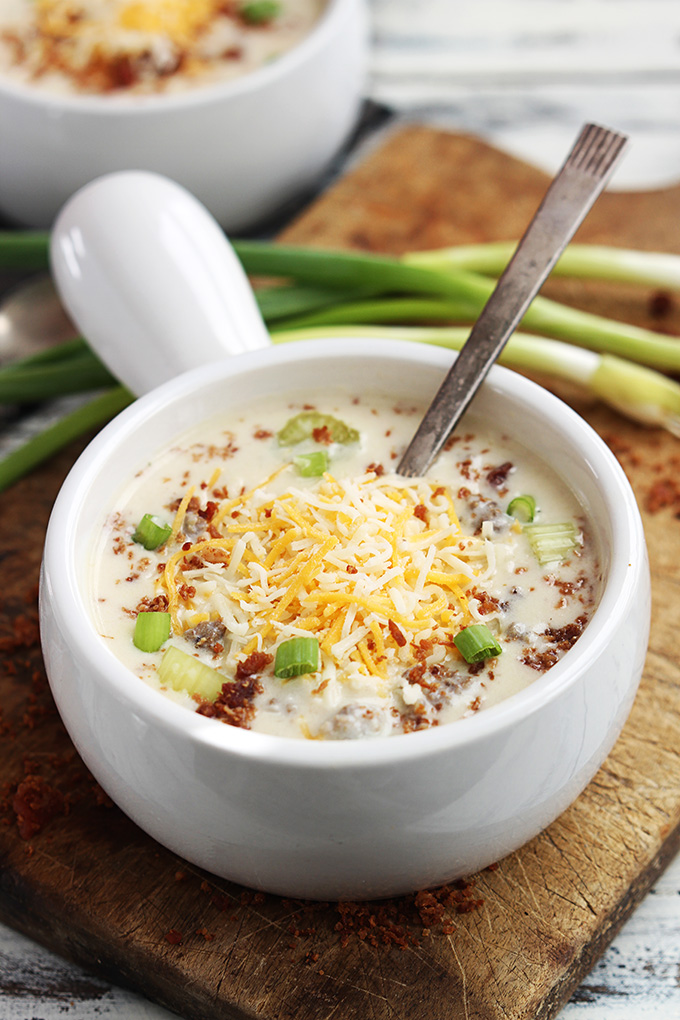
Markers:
<point>59,573</point>
<point>135,105</point>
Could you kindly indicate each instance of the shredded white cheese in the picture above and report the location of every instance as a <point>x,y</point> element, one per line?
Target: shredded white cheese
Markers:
<point>371,566</point>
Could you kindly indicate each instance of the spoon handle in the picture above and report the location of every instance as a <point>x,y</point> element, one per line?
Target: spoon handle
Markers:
<point>567,201</point>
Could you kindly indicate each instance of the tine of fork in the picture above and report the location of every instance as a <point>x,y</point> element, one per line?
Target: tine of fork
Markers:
<point>596,150</point>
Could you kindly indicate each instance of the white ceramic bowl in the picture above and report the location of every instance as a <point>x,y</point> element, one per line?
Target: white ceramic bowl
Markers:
<point>244,147</point>
<point>345,818</point>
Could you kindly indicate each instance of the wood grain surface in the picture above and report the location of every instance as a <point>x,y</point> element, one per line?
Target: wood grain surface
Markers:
<point>515,943</point>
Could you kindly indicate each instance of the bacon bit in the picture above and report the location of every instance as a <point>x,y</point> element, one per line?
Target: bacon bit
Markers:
<point>431,910</point>
<point>486,603</point>
<point>208,936</point>
<point>186,592</point>
<point>567,588</point>
<point>421,512</point>
<point>660,304</point>
<point>322,435</point>
<point>498,476</point>
<point>234,705</point>
<point>476,704</point>
<point>159,604</point>
<point>661,494</point>
<point>35,803</point>
<point>193,562</point>
<point>255,663</point>
<point>25,634</point>
<point>417,719</point>
<point>396,633</point>
<point>262,434</point>
<point>423,649</point>
<point>211,508</point>
<point>174,937</point>
<point>540,661</point>
<point>377,469</point>
<point>351,569</point>
<point>564,637</point>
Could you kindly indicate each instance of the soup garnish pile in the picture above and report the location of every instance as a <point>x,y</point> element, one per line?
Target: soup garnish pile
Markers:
<point>100,47</point>
<point>273,572</point>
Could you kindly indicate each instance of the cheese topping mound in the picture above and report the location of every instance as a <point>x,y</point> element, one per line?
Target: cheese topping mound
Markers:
<point>372,566</point>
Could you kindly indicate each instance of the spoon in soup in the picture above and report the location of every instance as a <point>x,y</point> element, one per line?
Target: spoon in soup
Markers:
<point>571,194</point>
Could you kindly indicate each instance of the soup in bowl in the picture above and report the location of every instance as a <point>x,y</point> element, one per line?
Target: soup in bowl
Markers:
<point>245,104</point>
<point>309,675</point>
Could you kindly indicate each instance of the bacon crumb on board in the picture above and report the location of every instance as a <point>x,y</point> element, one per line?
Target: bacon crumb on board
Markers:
<point>663,491</point>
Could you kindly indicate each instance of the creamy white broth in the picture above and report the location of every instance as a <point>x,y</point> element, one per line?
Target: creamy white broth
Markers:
<point>143,46</point>
<point>392,668</point>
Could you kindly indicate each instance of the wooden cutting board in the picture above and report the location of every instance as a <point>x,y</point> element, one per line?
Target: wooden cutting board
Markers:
<point>518,941</point>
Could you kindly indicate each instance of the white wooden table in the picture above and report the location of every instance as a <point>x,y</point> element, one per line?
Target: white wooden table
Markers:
<point>524,74</point>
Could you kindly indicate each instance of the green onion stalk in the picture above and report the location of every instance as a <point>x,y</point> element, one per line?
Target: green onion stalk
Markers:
<point>641,393</point>
<point>428,297</point>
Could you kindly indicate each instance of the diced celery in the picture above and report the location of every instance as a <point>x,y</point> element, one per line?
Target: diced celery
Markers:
<point>184,672</point>
<point>311,465</point>
<point>303,426</point>
<point>152,630</point>
<point>552,543</point>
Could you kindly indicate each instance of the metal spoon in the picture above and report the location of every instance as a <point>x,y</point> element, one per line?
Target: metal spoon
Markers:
<point>32,319</point>
<point>568,199</point>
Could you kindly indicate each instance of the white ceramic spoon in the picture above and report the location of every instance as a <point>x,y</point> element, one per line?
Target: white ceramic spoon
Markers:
<point>148,276</point>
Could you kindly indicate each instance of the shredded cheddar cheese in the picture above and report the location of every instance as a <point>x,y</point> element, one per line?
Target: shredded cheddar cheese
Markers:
<point>344,560</point>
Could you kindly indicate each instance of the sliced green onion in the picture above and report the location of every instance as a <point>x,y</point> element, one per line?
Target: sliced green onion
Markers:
<point>552,543</point>
<point>151,532</point>
<point>304,425</point>
<point>259,12</point>
<point>296,656</point>
<point>311,465</point>
<point>522,508</point>
<point>151,631</point>
<point>476,643</point>
<point>184,672</point>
